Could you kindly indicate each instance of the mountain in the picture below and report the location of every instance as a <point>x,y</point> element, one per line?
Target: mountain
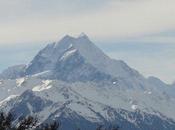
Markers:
<point>83,52</point>
<point>75,82</point>
<point>13,72</point>
<point>167,89</point>
<point>84,105</point>
<point>81,48</point>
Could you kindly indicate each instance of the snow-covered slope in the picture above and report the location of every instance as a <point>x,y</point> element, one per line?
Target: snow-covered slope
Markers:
<point>73,80</point>
<point>90,103</point>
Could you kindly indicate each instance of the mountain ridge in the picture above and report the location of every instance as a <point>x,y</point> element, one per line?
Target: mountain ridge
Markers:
<point>63,101</point>
<point>47,58</point>
<point>73,80</point>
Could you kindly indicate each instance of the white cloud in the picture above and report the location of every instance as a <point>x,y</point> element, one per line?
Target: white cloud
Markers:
<point>116,19</point>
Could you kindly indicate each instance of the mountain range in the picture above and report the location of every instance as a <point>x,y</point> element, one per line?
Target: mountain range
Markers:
<point>75,82</point>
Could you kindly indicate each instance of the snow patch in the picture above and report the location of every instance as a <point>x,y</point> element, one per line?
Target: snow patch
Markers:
<point>148,92</point>
<point>20,81</point>
<point>45,85</point>
<point>57,115</point>
<point>70,46</point>
<point>0,82</point>
<point>114,83</point>
<point>8,99</point>
<point>42,73</point>
<point>67,54</point>
<point>134,107</point>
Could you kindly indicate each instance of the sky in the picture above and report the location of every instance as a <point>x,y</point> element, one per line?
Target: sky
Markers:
<point>140,32</point>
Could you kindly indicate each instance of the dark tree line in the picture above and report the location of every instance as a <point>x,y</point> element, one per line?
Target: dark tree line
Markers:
<point>28,123</point>
<point>31,123</point>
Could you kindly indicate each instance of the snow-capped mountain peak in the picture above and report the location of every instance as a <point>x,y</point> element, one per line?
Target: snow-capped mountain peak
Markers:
<point>82,35</point>
<point>73,80</point>
<point>48,60</point>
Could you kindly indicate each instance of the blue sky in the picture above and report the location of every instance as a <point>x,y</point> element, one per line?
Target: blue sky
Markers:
<point>141,32</point>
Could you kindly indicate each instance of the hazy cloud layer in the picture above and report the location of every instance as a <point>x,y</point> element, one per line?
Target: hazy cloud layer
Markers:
<point>32,20</point>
